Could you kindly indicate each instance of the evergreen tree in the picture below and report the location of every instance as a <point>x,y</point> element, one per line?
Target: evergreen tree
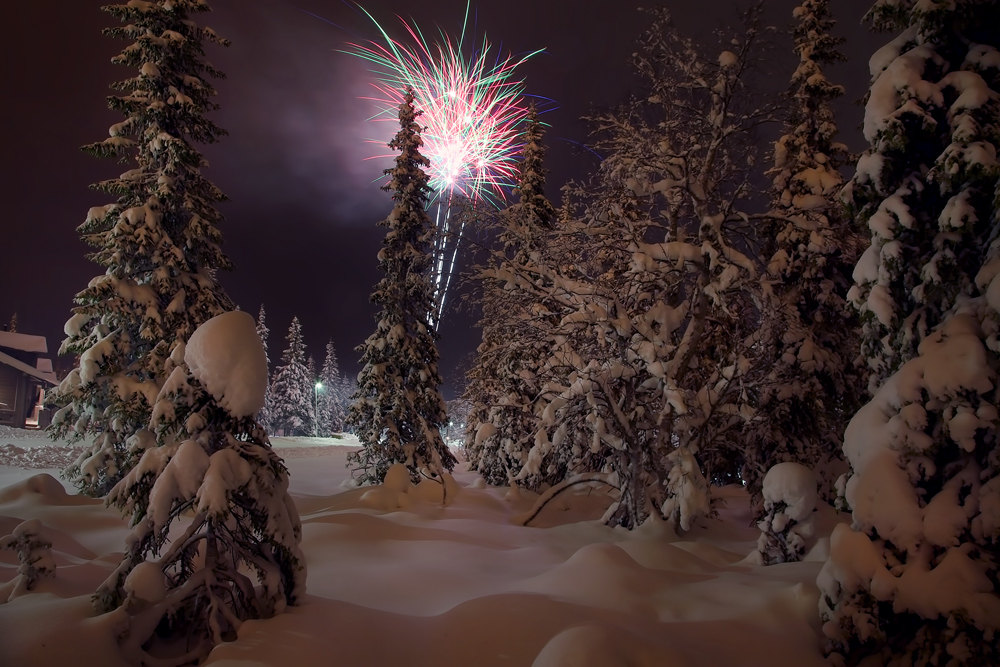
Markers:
<point>263,333</point>
<point>313,427</point>
<point>235,556</point>
<point>264,417</point>
<point>503,382</point>
<point>12,327</point>
<point>914,577</point>
<point>331,405</point>
<point>922,188</point>
<point>398,409</point>
<point>292,388</point>
<point>808,340</point>
<point>158,244</point>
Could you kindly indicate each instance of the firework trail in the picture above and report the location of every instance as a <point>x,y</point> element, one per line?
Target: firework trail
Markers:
<point>472,109</point>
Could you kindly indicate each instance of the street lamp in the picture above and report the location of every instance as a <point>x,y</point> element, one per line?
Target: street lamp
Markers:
<point>316,389</point>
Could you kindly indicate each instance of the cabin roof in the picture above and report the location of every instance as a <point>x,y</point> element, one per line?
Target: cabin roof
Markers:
<point>24,342</point>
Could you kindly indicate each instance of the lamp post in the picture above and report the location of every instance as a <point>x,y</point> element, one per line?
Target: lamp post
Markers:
<point>316,389</point>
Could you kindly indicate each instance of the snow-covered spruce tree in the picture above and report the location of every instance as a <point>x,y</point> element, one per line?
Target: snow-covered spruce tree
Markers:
<point>924,187</point>
<point>653,310</point>
<point>159,243</point>
<point>502,385</point>
<point>215,535</point>
<point>398,409</point>
<point>809,338</point>
<point>915,577</point>
<point>292,410</point>
<point>264,416</point>
<point>330,419</point>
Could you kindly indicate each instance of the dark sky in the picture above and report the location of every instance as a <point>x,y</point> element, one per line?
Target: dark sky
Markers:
<point>300,225</point>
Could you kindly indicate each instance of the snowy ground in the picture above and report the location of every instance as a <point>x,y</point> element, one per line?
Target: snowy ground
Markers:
<point>439,586</point>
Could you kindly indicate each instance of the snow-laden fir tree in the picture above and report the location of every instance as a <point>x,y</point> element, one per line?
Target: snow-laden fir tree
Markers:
<point>808,336</point>
<point>330,418</point>
<point>313,427</point>
<point>649,290</point>
<point>215,535</point>
<point>914,577</point>
<point>292,400</point>
<point>398,409</point>
<point>502,385</point>
<point>924,187</point>
<point>264,416</point>
<point>159,243</point>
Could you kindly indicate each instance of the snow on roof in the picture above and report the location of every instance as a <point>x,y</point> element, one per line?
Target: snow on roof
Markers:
<point>49,376</point>
<point>23,342</point>
<point>44,364</point>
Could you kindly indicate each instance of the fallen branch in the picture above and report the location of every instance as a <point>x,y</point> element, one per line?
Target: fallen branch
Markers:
<point>552,492</point>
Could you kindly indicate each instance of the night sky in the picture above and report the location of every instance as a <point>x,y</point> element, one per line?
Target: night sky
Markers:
<point>300,223</point>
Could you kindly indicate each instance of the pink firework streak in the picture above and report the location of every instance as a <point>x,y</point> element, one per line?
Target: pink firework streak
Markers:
<point>472,109</point>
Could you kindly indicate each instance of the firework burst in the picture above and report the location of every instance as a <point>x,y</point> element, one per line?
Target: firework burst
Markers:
<point>472,107</point>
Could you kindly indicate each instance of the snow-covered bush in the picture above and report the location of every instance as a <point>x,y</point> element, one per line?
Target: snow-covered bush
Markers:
<point>650,295</point>
<point>786,529</point>
<point>34,553</point>
<point>236,556</point>
<point>158,245</point>
<point>398,408</point>
<point>808,385</point>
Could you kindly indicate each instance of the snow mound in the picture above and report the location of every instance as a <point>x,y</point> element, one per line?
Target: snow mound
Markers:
<point>397,478</point>
<point>146,582</point>
<point>44,488</point>
<point>398,493</point>
<point>600,646</point>
<point>225,354</point>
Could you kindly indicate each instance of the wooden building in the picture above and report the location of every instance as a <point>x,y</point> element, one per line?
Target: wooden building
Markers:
<point>25,374</point>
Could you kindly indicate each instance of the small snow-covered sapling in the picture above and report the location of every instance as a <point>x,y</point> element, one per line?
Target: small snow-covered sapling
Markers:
<point>789,501</point>
<point>34,553</point>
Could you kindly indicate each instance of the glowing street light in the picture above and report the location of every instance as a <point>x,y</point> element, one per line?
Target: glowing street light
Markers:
<point>316,389</point>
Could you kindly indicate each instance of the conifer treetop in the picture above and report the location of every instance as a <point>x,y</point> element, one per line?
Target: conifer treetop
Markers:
<point>398,409</point>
